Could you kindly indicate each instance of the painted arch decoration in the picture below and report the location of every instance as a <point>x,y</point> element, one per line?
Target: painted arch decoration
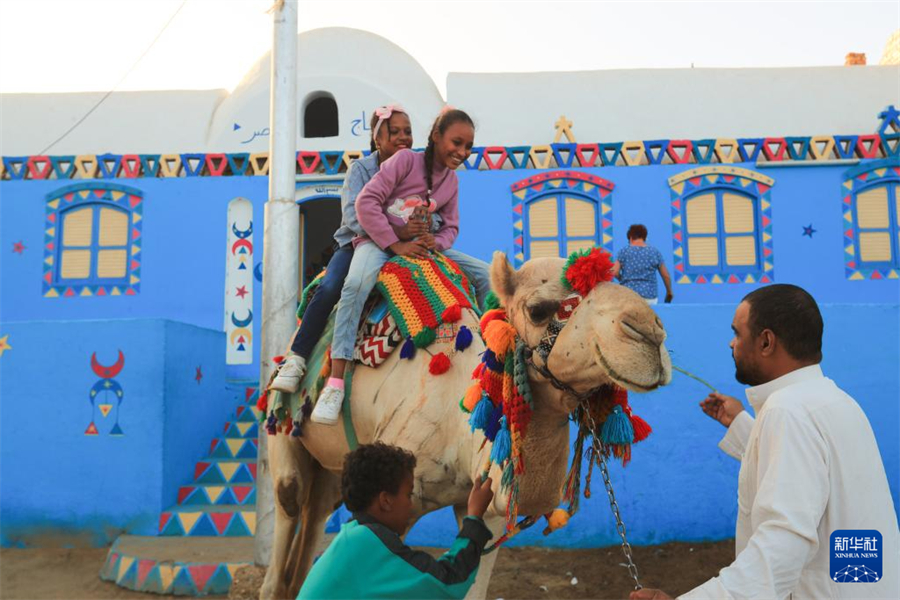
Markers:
<point>583,189</point>
<point>105,238</point>
<point>871,210</point>
<point>735,182</point>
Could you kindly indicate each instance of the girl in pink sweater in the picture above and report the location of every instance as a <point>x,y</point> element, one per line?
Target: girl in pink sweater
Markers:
<point>408,183</point>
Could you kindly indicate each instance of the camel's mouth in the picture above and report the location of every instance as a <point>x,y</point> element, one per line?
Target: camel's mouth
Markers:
<point>622,380</point>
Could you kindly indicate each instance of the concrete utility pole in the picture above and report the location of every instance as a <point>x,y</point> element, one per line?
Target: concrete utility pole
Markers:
<point>281,242</point>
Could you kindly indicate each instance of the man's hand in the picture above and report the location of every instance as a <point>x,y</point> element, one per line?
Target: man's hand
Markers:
<point>414,249</point>
<point>722,408</point>
<point>649,594</point>
<point>480,497</point>
<point>669,297</point>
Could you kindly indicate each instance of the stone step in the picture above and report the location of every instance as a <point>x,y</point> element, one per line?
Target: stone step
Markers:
<point>208,521</point>
<point>197,566</point>
<point>218,471</point>
<point>243,494</point>
<point>233,448</point>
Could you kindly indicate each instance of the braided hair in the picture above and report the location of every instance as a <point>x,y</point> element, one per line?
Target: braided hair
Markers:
<point>444,120</point>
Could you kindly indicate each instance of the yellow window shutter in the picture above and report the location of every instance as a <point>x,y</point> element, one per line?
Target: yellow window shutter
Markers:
<point>872,208</point>
<point>703,251</point>
<point>111,263</point>
<point>738,213</point>
<point>581,218</point>
<point>701,214</point>
<point>113,227</point>
<point>740,250</point>
<point>78,227</point>
<point>573,245</point>
<point>875,246</point>
<point>76,264</point>
<point>544,249</point>
<point>543,220</point>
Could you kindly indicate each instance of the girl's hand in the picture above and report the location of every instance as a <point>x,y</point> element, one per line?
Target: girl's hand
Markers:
<point>413,249</point>
<point>428,240</point>
<point>410,230</point>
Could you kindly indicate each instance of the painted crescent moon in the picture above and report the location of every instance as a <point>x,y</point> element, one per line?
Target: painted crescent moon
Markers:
<point>242,331</point>
<point>242,234</point>
<point>107,372</point>
<point>240,243</point>
<point>107,385</point>
<point>238,323</point>
<point>257,271</point>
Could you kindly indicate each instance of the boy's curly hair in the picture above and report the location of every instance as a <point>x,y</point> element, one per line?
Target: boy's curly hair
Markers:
<point>372,469</point>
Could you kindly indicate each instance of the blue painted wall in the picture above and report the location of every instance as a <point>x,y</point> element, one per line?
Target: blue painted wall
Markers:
<point>679,485</point>
<point>60,486</point>
<point>182,279</point>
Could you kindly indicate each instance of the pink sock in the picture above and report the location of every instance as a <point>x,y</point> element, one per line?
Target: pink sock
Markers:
<point>336,382</point>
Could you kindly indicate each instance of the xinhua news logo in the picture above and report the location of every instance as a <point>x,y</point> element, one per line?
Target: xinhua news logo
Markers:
<point>856,556</point>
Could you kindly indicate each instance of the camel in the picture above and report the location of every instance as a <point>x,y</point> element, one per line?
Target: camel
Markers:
<point>613,336</point>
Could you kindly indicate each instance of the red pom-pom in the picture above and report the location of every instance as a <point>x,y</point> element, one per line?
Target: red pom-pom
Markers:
<point>476,373</point>
<point>452,314</point>
<point>440,363</point>
<point>586,271</point>
<point>262,403</point>
<point>641,428</point>
<point>278,359</point>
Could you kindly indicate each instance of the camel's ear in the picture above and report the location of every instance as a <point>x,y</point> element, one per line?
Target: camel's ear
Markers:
<point>503,278</point>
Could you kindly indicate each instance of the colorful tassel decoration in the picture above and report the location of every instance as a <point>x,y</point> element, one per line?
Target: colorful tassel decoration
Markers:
<point>272,425</point>
<point>502,443</point>
<point>585,269</point>
<point>641,428</point>
<point>491,363</point>
<point>262,403</point>
<point>296,431</point>
<point>306,409</point>
<point>491,301</point>
<point>500,337</point>
<point>491,315</point>
<point>493,426</point>
<point>452,314</point>
<point>463,338</point>
<point>440,363</point>
<point>617,429</point>
<point>472,397</point>
<point>424,338</point>
<point>408,351</point>
<point>278,359</point>
<point>480,417</point>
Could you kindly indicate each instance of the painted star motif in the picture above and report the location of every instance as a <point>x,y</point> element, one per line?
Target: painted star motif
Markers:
<point>242,291</point>
<point>809,230</point>
<point>4,344</point>
<point>19,247</point>
<point>199,375</point>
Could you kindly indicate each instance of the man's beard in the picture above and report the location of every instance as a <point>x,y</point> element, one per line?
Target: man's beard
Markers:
<point>747,374</point>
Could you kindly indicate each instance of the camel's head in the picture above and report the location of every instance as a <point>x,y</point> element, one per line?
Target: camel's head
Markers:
<point>613,336</point>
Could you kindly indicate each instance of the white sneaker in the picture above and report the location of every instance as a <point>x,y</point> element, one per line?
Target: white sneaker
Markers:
<point>289,375</point>
<point>328,406</point>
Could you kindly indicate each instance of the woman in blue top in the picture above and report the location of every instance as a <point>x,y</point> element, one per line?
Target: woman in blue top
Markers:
<point>636,266</point>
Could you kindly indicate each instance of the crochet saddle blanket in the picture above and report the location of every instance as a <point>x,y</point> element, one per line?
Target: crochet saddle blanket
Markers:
<point>415,301</point>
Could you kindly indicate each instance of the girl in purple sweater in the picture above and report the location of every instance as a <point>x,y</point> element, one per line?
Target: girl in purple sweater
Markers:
<point>406,181</point>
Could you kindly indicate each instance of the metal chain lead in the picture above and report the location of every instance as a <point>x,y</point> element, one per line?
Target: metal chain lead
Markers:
<point>613,505</point>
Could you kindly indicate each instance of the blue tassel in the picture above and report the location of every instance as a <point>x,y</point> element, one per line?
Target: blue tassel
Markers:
<point>272,424</point>
<point>481,415</point>
<point>306,409</point>
<point>463,338</point>
<point>408,351</point>
<point>296,431</point>
<point>491,362</point>
<point>502,444</point>
<point>493,424</point>
<point>617,428</point>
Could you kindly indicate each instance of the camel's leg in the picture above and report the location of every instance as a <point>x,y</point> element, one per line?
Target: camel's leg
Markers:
<point>292,472</point>
<point>479,589</point>
<point>322,498</point>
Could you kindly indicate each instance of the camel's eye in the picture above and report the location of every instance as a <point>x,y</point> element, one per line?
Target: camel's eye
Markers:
<point>542,311</point>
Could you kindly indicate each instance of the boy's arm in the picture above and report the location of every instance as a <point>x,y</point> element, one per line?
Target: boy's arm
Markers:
<point>451,575</point>
<point>353,185</point>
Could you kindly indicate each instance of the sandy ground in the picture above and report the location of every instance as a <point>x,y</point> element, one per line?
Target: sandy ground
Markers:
<point>519,572</point>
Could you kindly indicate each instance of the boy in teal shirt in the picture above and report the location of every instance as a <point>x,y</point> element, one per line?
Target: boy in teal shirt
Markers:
<point>367,559</point>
